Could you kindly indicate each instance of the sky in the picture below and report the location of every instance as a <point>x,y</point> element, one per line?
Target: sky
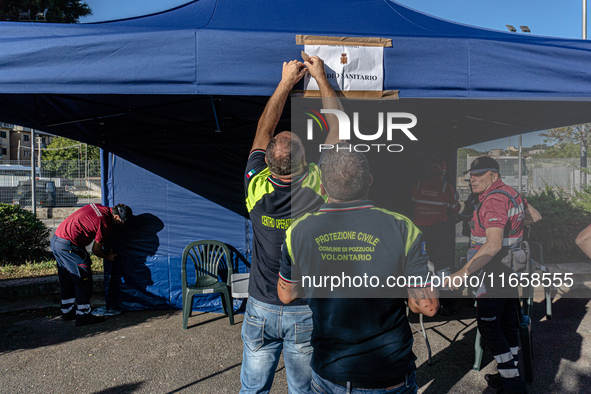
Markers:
<point>544,17</point>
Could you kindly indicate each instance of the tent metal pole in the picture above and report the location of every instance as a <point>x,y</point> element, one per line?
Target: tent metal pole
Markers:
<point>33,199</point>
<point>584,19</point>
<point>519,160</point>
<point>215,115</point>
<point>583,149</point>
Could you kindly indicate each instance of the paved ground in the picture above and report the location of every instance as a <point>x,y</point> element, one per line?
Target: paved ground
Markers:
<point>149,352</point>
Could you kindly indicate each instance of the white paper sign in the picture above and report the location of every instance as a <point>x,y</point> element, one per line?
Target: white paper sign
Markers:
<point>349,67</point>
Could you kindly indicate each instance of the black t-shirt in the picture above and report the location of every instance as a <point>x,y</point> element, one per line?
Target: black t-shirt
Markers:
<point>357,339</point>
<point>272,206</point>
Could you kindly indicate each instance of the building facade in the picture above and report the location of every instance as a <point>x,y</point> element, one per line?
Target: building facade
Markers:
<point>15,142</point>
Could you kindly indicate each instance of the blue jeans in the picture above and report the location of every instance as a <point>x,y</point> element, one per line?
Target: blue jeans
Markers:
<point>323,386</point>
<point>267,329</point>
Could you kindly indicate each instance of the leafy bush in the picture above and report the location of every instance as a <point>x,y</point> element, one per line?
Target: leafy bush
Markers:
<point>563,218</point>
<point>23,236</point>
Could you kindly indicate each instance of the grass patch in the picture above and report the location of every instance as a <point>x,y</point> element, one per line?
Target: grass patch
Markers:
<point>40,269</point>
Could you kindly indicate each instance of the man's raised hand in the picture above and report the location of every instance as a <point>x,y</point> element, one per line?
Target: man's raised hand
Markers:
<point>315,67</point>
<point>292,72</point>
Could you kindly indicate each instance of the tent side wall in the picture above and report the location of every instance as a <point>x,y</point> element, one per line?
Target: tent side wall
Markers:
<point>167,217</point>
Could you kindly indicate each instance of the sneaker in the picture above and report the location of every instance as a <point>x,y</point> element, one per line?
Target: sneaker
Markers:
<point>103,311</point>
<point>69,316</point>
<point>448,310</point>
<point>494,380</point>
<point>87,319</point>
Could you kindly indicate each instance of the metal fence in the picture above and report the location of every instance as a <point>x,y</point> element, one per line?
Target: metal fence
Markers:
<point>562,173</point>
<point>57,183</point>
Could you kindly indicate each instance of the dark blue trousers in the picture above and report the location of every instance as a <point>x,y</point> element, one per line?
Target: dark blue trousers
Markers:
<point>499,328</point>
<point>75,275</point>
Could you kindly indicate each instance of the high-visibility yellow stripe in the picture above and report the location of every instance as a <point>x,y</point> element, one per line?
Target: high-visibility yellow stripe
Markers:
<point>313,180</point>
<point>257,188</point>
<point>412,230</point>
<point>290,229</point>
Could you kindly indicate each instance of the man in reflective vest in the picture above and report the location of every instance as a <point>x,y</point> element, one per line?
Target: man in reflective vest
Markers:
<point>280,186</point>
<point>497,231</point>
<point>435,205</point>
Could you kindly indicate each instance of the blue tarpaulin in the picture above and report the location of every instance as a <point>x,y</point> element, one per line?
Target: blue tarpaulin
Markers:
<point>173,100</point>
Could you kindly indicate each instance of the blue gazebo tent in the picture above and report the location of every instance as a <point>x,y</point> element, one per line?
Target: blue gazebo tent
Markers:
<point>173,100</point>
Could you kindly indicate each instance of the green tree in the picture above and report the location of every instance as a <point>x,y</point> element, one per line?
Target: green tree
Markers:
<point>62,148</point>
<point>463,152</point>
<point>60,11</point>
<point>538,146</point>
<point>66,158</point>
<point>565,150</point>
<point>576,134</point>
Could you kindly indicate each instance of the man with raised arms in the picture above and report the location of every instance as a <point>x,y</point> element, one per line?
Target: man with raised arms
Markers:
<point>280,186</point>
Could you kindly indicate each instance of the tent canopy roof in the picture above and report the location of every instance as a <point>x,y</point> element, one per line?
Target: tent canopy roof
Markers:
<point>223,47</point>
<point>209,65</point>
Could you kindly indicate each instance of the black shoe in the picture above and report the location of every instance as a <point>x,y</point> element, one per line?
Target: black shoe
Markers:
<point>448,310</point>
<point>69,316</point>
<point>494,381</point>
<point>87,319</point>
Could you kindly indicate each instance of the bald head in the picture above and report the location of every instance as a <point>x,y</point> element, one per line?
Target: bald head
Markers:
<point>285,154</point>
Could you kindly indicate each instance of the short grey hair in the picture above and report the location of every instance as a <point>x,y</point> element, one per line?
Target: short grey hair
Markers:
<point>345,173</point>
<point>284,155</point>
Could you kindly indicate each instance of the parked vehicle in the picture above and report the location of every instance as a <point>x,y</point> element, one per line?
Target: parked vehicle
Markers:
<point>46,195</point>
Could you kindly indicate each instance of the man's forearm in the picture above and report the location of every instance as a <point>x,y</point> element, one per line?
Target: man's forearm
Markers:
<point>531,216</point>
<point>586,247</point>
<point>99,253</point>
<point>481,258</point>
<point>289,292</point>
<point>583,241</point>
<point>330,101</point>
<point>97,250</point>
<point>274,108</point>
<point>326,90</point>
<point>492,246</point>
<point>290,75</point>
<point>271,115</point>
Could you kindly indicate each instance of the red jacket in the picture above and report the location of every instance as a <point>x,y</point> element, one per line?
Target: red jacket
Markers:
<point>497,210</point>
<point>91,222</point>
<point>434,201</point>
